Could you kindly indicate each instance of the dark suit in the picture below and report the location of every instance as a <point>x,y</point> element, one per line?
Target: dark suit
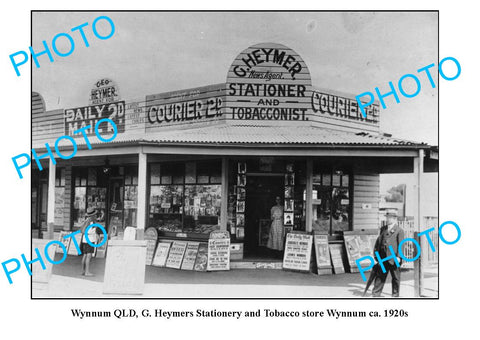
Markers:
<point>385,239</point>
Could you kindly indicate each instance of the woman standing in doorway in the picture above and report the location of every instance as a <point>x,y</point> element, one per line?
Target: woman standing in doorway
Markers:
<point>275,237</point>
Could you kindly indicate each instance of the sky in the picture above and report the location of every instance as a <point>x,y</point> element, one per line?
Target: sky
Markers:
<point>154,52</point>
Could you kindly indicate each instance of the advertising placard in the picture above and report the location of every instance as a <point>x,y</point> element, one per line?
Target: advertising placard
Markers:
<point>160,258</point>
<point>219,251</point>
<point>175,256</point>
<point>190,256</point>
<point>337,253</point>
<point>202,258</point>
<point>151,236</point>
<point>359,244</point>
<point>298,252</point>
<point>322,254</point>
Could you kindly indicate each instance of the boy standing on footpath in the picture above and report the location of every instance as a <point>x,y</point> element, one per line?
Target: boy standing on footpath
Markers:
<point>390,235</point>
<point>86,249</point>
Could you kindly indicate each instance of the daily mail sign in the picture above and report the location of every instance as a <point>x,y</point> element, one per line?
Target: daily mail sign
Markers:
<point>104,103</point>
<point>80,117</point>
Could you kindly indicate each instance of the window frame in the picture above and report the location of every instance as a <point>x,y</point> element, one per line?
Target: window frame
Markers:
<point>197,164</point>
<point>331,170</point>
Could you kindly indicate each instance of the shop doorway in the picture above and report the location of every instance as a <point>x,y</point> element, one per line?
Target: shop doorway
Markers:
<point>261,191</point>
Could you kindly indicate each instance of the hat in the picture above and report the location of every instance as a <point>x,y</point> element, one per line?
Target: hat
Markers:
<point>91,212</point>
<point>391,213</point>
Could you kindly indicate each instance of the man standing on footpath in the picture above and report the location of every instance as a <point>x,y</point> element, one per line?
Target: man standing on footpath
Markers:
<point>390,235</point>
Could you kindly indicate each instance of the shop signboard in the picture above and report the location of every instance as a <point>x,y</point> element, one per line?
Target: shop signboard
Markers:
<point>202,258</point>
<point>268,81</point>
<point>104,91</point>
<point>359,244</point>
<point>125,267</point>
<point>151,236</point>
<point>342,107</point>
<point>42,273</point>
<point>73,250</point>
<point>104,102</point>
<point>83,116</point>
<point>218,251</point>
<point>130,234</point>
<point>101,251</point>
<point>322,254</point>
<point>190,256</point>
<point>175,256</point>
<point>298,251</point>
<point>135,117</point>
<point>337,254</point>
<point>161,255</point>
<point>201,104</point>
<point>65,241</point>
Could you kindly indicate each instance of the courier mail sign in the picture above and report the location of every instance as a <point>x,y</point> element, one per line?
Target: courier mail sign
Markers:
<point>268,82</point>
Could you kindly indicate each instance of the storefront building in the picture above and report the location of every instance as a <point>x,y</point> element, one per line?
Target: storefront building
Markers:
<point>215,158</point>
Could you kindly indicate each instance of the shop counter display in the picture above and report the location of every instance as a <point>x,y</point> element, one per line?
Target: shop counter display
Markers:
<point>181,235</point>
<point>202,229</point>
<point>185,212</point>
<point>168,223</point>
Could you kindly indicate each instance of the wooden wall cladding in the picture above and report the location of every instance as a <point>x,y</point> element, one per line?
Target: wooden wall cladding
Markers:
<point>366,193</point>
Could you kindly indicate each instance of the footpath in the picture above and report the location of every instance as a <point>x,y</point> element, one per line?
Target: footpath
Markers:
<point>67,282</point>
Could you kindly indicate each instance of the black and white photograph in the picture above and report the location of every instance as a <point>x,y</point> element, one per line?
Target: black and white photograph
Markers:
<point>154,142</point>
<point>256,169</point>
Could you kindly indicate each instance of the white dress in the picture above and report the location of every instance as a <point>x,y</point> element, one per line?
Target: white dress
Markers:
<point>275,237</point>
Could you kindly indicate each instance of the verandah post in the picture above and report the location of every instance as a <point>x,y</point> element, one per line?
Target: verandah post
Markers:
<point>142,194</point>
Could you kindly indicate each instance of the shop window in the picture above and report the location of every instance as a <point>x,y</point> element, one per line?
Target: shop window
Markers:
<point>202,207</point>
<point>90,192</point>
<point>80,176</point>
<point>185,197</point>
<point>331,199</point>
<point>130,197</point>
<point>155,174</point>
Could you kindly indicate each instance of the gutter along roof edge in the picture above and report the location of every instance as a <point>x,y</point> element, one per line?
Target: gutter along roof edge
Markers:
<point>285,146</point>
<point>248,136</point>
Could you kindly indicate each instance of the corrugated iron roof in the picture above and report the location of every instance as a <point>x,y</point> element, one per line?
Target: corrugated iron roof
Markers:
<point>228,134</point>
<point>262,134</point>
